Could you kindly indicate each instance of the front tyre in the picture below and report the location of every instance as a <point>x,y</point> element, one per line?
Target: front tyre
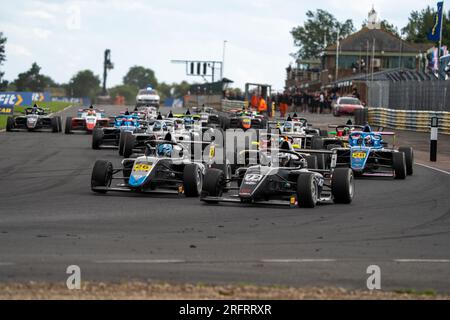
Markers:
<point>409,159</point>
<point>192,181</point>
<point>128,146</point>
<point>101,175</point>
<point>342,186</point>
<point>399,164</point>
<point>213,184</point>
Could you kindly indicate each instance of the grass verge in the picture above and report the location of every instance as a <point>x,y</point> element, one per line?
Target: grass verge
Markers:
<point>165,291</point>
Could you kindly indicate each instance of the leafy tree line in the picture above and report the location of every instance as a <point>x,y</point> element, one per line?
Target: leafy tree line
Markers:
<point>321,28</point>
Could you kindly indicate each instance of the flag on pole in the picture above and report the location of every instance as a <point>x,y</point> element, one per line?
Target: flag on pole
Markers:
<point>435,32</point>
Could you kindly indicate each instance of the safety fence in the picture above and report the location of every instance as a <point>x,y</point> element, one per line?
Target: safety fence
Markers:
<point>419,121</point>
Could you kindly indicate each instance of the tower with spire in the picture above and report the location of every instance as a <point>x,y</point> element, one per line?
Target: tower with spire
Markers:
<point>372,21</point>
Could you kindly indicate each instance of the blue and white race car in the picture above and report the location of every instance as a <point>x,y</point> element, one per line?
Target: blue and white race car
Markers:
<point>369,155</point>
<point>165,167</point>
<point>109,137</point>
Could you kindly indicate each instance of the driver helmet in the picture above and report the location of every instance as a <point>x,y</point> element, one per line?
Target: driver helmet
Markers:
<point>164,150</point>
<point>188,122</point>
<point>288,126</point>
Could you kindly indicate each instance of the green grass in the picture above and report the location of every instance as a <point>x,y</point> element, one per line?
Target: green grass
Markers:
<point>53,106</point>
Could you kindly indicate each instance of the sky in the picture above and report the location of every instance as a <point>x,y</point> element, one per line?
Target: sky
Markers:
<point>64,37</point>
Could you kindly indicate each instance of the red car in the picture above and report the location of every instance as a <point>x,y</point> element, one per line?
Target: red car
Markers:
<point>347,106</point>
<point>87,120</point>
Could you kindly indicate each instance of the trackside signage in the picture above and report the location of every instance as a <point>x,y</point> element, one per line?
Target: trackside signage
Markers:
<point>9,100</point>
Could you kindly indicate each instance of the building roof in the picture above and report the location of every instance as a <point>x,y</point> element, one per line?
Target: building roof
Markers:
<point>384,41</point>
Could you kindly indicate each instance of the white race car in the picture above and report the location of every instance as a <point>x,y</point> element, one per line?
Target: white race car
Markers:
<point>147,97</point>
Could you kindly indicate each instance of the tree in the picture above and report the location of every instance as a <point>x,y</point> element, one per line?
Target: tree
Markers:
<point>421,22</point>
<point>33,80</point>
<point>129,92</point>
<point>140,77</point>
<point>84,84</point>
<point>320,29</point>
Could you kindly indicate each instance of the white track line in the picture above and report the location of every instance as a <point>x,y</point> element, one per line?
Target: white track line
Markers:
<point>2,264</point>
<point>297,260</point>
<point>422,260</point>
<point>139,261</point>
<point>433,168</point>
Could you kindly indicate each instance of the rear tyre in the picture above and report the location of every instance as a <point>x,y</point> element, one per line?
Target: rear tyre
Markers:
<point>59,123</point>
<point>128,145</point>
<point>324,133</point>
<point>10,124</point>
<point>97,138</point>
<point>316,143</point>
<point>213,184</point>
<point>101,175</point>
<point>192,181</point>
<point>312,162</point>
<point>122,141</point>
<point>399,164</point>
<point>342,186</point>
<point>55,125</point>
<point>409,158</point>
<point>68,128</point>
<point>307,190</point>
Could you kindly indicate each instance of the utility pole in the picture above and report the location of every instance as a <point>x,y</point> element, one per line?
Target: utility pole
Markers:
<point>222,70</point>
<point>337,56</point>
<point>373,58</point>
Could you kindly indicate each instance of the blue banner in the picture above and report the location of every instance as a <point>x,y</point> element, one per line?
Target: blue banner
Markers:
<point>436,31</point>
<point>42,96</point>
<point>9,100</point>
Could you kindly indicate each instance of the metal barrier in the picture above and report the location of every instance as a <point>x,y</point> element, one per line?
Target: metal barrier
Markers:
<point>418,121</point>
<point>232,104</point>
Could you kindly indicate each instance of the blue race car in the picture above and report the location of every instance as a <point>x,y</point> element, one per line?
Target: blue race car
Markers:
<point>110,137</point>
<point>369,155</point>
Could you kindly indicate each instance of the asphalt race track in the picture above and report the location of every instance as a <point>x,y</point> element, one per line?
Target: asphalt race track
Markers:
<point>50,219</point>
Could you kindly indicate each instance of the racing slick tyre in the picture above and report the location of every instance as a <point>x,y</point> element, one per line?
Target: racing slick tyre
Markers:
<point>68,128</point>
<point>226,169</point>
<point>122,141</point>
<point>10,124</point>
<point>128,145</point>
<point>225,123</point>
<point>55,125</point>
<point>399,164</point>
<point>213,184</point>
<point>342,185</point>
<point>192,181</point>
<point>307,190</point>
<point>316,143</point>
<point>409,158</point>
<point>97,138</point>
<point>127,169</point>
<point>58,118</point>
<point>323,133</point>
<point>101,175</point>
<point>312,162</point>
<point>321,161</point>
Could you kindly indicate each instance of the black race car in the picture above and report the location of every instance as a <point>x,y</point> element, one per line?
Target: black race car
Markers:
<point>34,119</point>
<point>281,177</point>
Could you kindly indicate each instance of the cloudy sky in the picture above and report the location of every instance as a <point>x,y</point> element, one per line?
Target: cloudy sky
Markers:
<point>64,37</point>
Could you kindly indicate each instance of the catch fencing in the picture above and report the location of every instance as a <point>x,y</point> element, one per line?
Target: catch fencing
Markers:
<point>409,95</point>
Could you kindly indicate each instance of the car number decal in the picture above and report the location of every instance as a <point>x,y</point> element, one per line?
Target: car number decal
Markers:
<point>359,155</point>
<point>142,167</point>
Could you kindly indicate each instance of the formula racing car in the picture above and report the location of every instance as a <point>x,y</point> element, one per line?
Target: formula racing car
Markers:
<point>165,166</point>
<point>86,120</point>
<point>34,119</point>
